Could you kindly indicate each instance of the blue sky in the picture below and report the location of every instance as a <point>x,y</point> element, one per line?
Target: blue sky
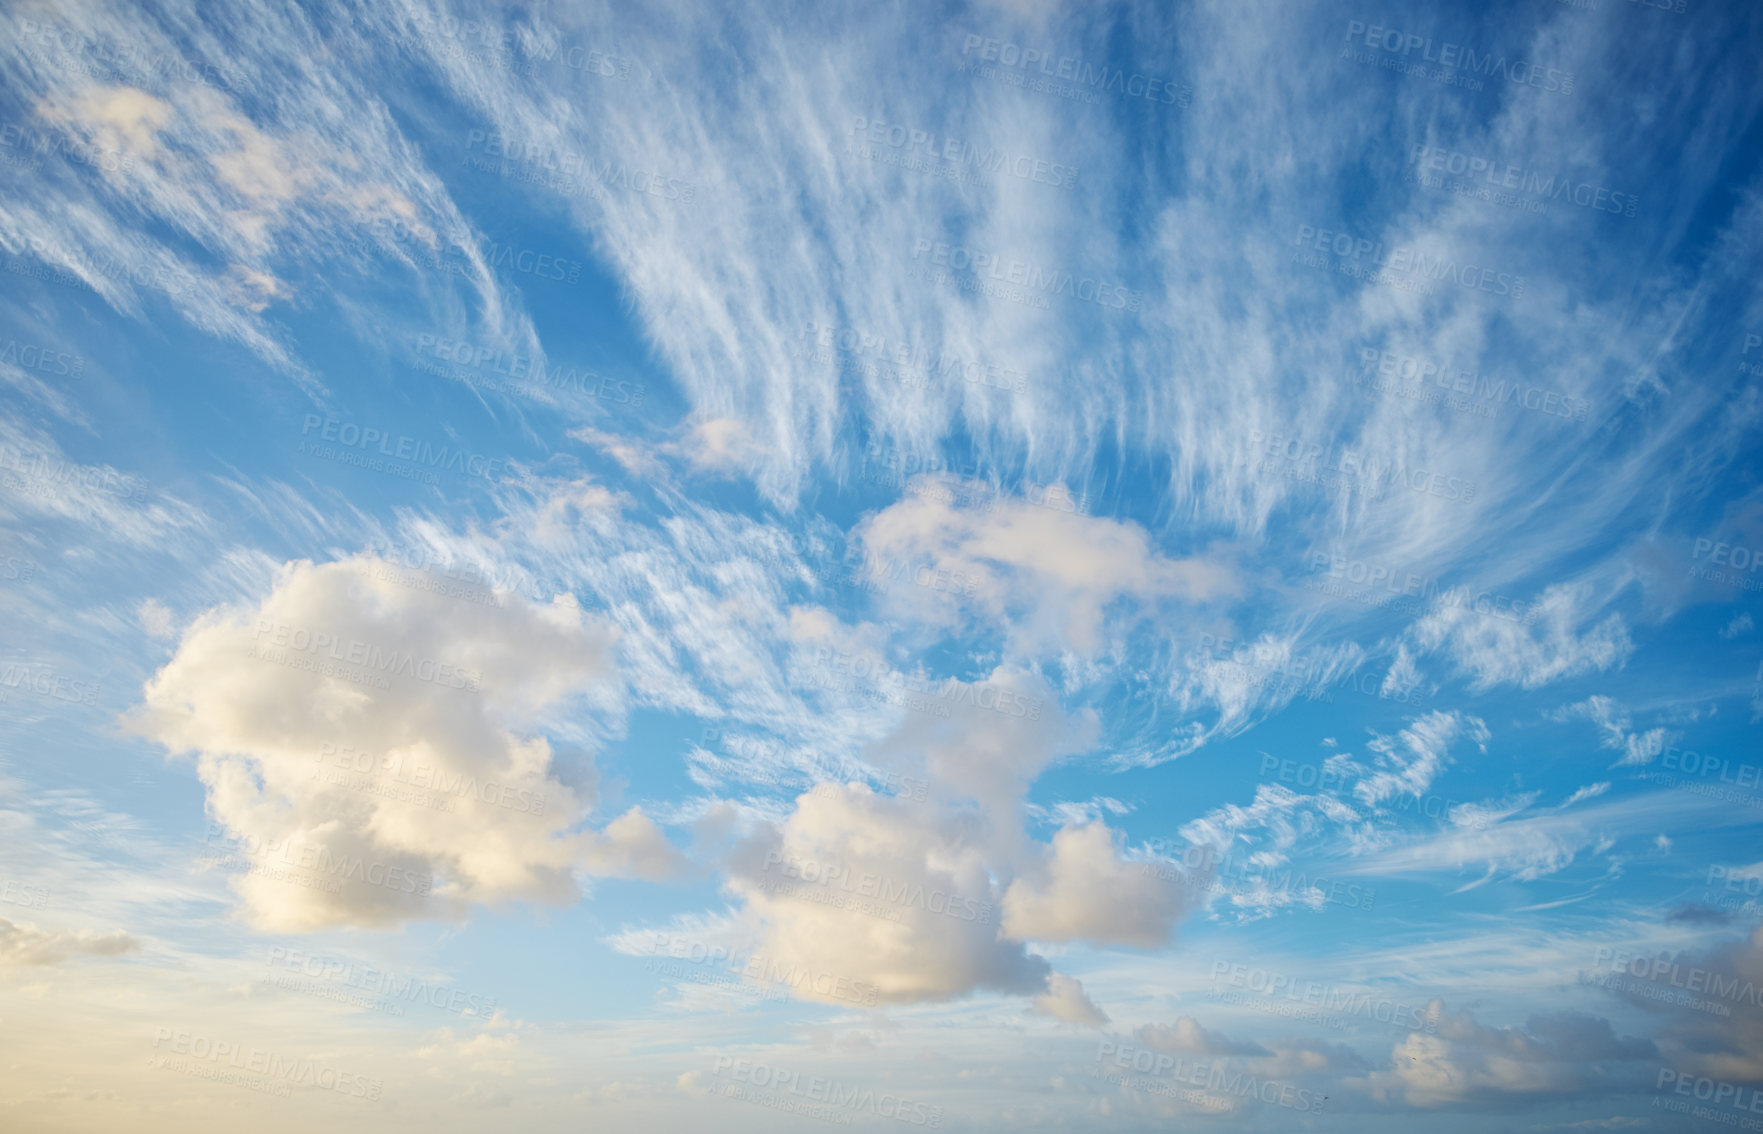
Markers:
<point>974,566</point>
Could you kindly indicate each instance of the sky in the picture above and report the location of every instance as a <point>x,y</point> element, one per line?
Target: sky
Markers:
<point>975,566</point>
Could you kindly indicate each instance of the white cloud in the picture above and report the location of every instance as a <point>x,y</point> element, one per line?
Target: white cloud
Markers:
<point>1617,730</point>
<point>1589,791</point>
<point>883,915</point>
<point>1086,891</point>
<point>349,719</point>
<point>632,846</point>
<point>25,945</point>
<point>1410,764</point>
<point>1187,1036</point>
<point>1504,651</point>
<point>1561,1053</point>
<point>1065,999</point>
<point>1532,847</point>
<point>156,619</point>
<point>1047,574</point>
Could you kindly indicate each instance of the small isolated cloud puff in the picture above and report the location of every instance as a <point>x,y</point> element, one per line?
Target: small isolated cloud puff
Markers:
<point>1047,573</point>
<point>26,945</point>
<point>632,846</point>
<point>721,445</point>
<point>1085,891</point>
<point>156,619</point>
<point>365,748</point>
<point>1065,999</point>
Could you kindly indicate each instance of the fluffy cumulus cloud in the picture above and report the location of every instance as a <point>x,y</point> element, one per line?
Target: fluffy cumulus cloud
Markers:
<point>1085,890</point>
<point>879,890</point>
<point>986,741</point>
<point>1050,572</point>
<point>1066,1000</point>
<point>1467,1062</point>
<point>371,754</point>
<point>933,895</point>
<point>1710,999</point>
